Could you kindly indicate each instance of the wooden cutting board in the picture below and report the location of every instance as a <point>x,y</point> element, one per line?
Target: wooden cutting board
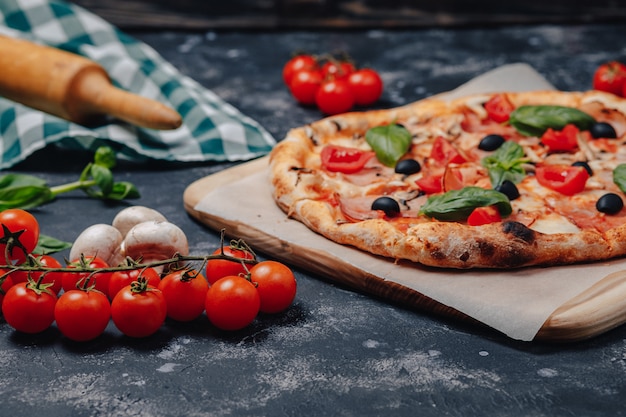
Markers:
<point>600,308</point>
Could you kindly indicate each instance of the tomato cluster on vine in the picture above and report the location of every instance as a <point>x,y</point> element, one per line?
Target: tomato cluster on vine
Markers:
<point>334,85</point>
<point>37,291</point>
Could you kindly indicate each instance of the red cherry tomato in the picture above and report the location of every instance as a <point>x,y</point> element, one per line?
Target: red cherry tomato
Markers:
<point>297,64</point>
<point>100,279</point>
<point>29,308</point>
<point>338,70</point>
<point>444,153</point>
<point>343,159</point>
<point>610,77</point>
<point>54,278</point>
<point>565,179</point>
<point>220,268</point>
<point>82,315</point>
<point>334,97</point>
<point>276,285</point>
<point>232,303</point>
<point>366,85</point>
<point>304,86</point>
<point>4,287</point>
<point>139,310</point>
<point>185,294</point>
<point>431,184</point>
<point>484,215</point>
<point>561,140</point>
<point>25,230</point>
<point>499,108</point>
<point>120,279</point>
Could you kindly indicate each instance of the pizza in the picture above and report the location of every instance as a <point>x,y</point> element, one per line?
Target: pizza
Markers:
<point>498,180</point>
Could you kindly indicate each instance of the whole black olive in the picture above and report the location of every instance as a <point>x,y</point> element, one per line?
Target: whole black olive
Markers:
<point>584,165</point>
<point>408,167</point>
<point>491,142</point>
<point>388,205</point>
<point>602,130</point>
<point>609,203</point>
<point>508,189</point>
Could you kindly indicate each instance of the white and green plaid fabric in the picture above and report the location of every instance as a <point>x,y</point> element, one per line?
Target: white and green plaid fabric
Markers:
<point>212,129</point>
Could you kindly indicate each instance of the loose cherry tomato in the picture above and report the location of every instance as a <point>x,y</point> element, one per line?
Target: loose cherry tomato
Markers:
<point>100,279</point>
<point>185,294</point>
<point>297,64</point>
<point>82,315</point>
<point>366,85</point>
<point>565,179</point>
<point>334,96</point>
<point>276,285</point>
<point>220,268</point>
<point>561,140</point>
<point>54,278</point>
<point>610,77</point>
<point>431,184</point>
<point>444,153</point>
<point>120,279</point>
<point>232,303</point>
<point>343,159</point>
<point>304,86</point>
<point>484,215</point>
<point>499,108</point>
<point>338,70</point>
<point>29,308</point>
<point>139,310</point>
<point>20,231</point>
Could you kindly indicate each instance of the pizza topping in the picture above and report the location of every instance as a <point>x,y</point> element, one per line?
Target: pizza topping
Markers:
<point>388,205</point>
<point>506,163</point>
<point>610,203</point>
<point>509,189</point>
<point>484,215</point>
<point>564,140</point>
<point>535,120</point>
<point>390,142</point>
<point>343,159</point>
<point>567,180</point>
<point>602,130</point>
<point>408,167</point>
<point>619,177</point>
<point>457,205</point>
<point>491,142</point>
<point>499,108</point>
<point>444,153</point>
<point>584,165</point>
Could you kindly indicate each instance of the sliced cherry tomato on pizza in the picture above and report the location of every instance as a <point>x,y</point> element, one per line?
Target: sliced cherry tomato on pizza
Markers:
<point>565,139</point>
<point>484,215</point>
<point>444,153</point>
<point>499,108</point>
<point>610,77</point>
<point>565,179</point>
<point>343,159</point>
<point>431,184</point>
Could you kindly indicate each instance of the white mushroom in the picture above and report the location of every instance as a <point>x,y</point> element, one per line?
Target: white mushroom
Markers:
<point>131,216</point>
<point>154,241</point>
<point>101,240</point>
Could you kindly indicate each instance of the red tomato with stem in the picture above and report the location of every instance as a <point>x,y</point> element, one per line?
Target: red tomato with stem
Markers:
<point>499,108</point>
<point>232,303</point>
<point>54,278</point>
<point>185,294</point>
<point>334,97</point>
<point>120,279</point>
<point>304,86</point>
<point>298,63</point>
<point>610,77</point>
<point>276,285</point>
<point>337,158</point>
<point>29,307</point>
<point>338,70</point>
<point>6,283</point>
<point>366,85</point>
<point>565,139</point>
<point>20,234</point>
<point>484,215</point>
<point>82,315</point>
<point>139,310</point>
<point>99,279</point>
<point>565,179</point>
<point>220,268</point>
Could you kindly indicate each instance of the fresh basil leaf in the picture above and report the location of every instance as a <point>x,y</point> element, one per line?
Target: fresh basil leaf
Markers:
<point>47,245</point>
<point>506,163</point>
<point>389,142</point>
<point>122,190</point>
<point>23,191</point>
<point>534,120</point>
<point>103,177</point>
<point>105,157</point>
<point>457,205</point>
<point>619,177</point>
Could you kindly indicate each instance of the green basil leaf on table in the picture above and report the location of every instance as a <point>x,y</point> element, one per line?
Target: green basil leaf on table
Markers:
<point>389,142</point>
<point>457,205</point>
<point>619,177</point>
<point>47,245</point>
<point>23,191</point>
<point>535,120</point>
<point>506,163</point>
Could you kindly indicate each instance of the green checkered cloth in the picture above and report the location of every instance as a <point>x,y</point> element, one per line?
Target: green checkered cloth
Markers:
<point>212,129</point>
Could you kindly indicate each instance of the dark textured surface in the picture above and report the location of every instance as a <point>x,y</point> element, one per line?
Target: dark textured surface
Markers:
<point>335,352</point>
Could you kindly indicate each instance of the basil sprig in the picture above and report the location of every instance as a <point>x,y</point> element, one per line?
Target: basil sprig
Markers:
<point>457,205</point>
<point>535,120</point>
<point>389,142</point>
<point>619,177</point>
<point>506,163</point>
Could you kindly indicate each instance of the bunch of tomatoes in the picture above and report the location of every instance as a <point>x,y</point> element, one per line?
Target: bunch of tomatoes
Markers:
<point>611,77</point>
<point>231,293</point>
<point>334,85</point>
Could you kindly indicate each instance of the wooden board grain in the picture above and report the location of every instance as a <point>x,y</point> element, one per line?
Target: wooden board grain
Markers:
<point>599,309</point>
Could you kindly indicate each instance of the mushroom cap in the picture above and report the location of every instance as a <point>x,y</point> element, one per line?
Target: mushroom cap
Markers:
<point>155,240</point>
<point>127,218</point>
<point>101,240</point>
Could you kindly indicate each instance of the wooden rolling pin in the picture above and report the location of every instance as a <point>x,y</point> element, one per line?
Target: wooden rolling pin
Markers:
<point>72,87</point>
